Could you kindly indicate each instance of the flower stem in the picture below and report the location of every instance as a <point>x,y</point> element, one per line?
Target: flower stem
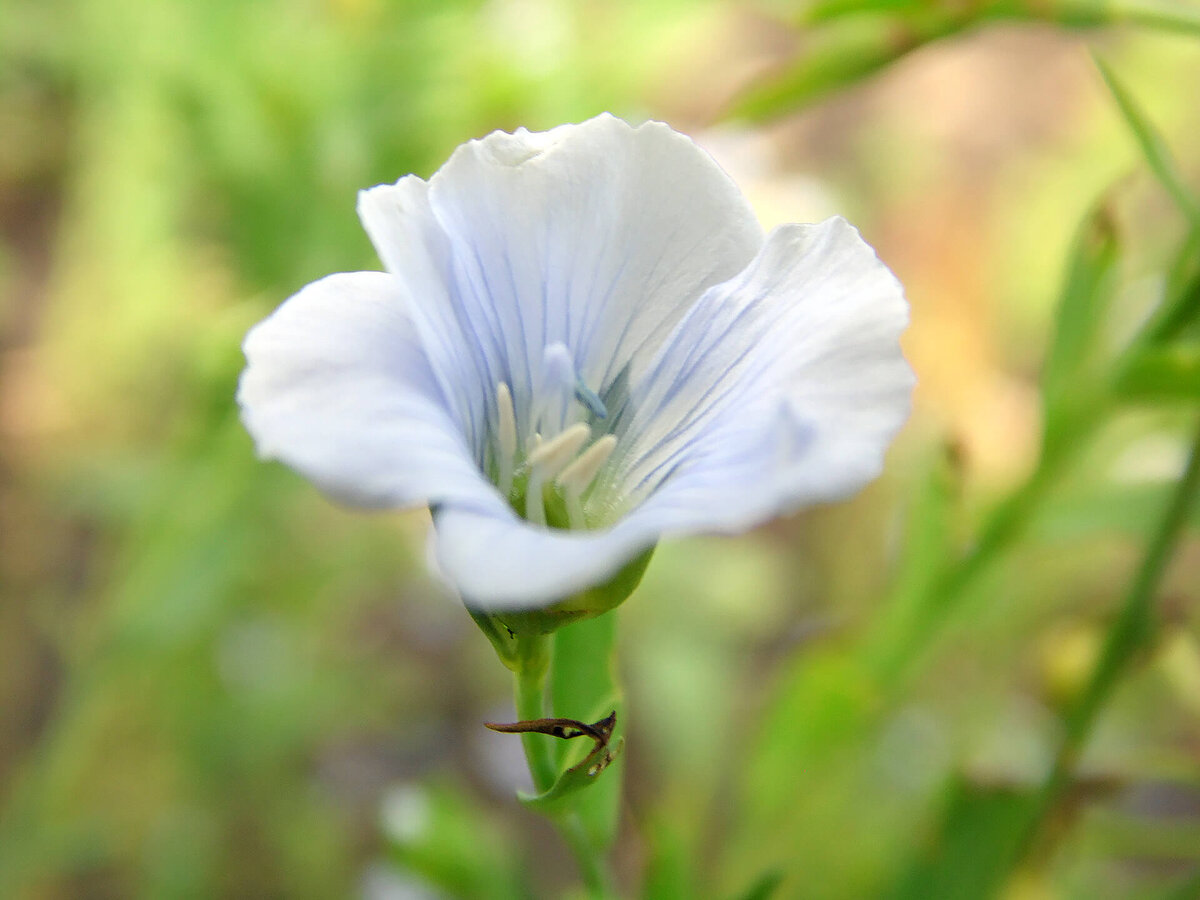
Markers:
<point>1130,633</point>
<point>591,862</point>
<point>533,664</point>
<point>899,643</point>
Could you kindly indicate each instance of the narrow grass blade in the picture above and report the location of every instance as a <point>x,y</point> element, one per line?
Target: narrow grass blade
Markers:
<point>972,849</point>
<point>1154,149</point>
<point>1084,301</point>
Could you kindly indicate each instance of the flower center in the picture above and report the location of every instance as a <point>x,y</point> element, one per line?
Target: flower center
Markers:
<point>547,472</point>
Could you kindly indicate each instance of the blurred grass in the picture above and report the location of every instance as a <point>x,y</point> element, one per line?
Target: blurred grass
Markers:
<point>210,678</point>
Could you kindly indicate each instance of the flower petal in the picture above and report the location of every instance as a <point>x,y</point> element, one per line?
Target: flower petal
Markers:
<point>782,387</point>
<point>597,236</point>
<point>498,561</point>
<point>337,386</point>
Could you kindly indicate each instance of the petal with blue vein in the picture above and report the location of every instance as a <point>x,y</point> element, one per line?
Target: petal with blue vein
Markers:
<point>461,353</point>
<point>498,561</point>
<point>337,386</point>
<point>598,236</point>
<point>783,386</point>
<point>780,388</point>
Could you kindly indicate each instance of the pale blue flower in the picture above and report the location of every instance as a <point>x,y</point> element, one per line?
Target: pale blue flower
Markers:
<point>584,326</point>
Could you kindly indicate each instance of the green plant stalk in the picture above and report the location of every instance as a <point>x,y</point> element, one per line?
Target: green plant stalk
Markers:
<point>533,664</point>
<point>1189,890</point>
<point>859,38</point>
<point>1153,148</point>
<point>899,646</point>
<point>1174,315</point>
<point>1165,15</point>
<point>918,618</point>
<point>533,661</point>
<point>1130,633</point>
<point>1134,626</point>
<point>904,636</point>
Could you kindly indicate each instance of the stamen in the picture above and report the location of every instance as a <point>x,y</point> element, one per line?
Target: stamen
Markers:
<point>506,437</point>
<point>553,455</point>
<point>535,503</point>
<point>576,477</point>
<point>546,461</point>
<point>547,448</point>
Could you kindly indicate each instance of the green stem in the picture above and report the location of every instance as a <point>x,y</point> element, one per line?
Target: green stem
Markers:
<point>591,862</point>
<point>533,658</point>
<point>918,620</point>
<point>1130,633</point>
<point>907,633</point>
<point>533,663</point>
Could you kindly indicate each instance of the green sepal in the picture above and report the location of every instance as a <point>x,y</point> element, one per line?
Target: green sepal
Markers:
<point>587,604</point>
<point>500,637</point>
<point>584,680</point>
<point>574,779</point>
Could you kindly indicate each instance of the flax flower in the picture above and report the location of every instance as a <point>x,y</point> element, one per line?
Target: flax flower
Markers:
<point>582,342</point>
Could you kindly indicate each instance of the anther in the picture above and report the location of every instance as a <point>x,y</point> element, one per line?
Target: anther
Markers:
<point>576,477</point>
<point>547,460</point>
<point>552,456</point>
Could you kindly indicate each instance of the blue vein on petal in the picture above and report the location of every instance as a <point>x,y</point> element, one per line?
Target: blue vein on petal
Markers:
<point>707,405</point>
<point>649,292</point>
<point>704,406</point>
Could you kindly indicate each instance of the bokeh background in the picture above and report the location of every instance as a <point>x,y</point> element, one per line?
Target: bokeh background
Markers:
<point>215,683</point>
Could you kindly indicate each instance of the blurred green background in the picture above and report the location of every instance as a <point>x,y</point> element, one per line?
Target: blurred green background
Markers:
<point>214,683</point>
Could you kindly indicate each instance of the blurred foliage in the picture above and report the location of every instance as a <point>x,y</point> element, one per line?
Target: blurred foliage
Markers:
<point>981,677</point>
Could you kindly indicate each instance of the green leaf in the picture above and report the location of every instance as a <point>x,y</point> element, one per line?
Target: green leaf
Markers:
<point>671,874</point>
<point>1188,889</point>
<point>1098,508</point>
<point>1085,299</point>
<point>584,686</point>
<point>822,706</point>
<point>826,10</point>
<point>1163,15</point>
<point>979,834</point>
<point>438,832</point>
<point>573,779</point>
<point>764,888</point>
<point>1162,374</point>
<point>931,541</point>
<point>834,58</point>
<point>1181,307</point>
<point>1154,149</point>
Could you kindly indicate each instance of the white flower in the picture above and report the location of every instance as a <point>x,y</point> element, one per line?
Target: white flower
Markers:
<point>584,327</point>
